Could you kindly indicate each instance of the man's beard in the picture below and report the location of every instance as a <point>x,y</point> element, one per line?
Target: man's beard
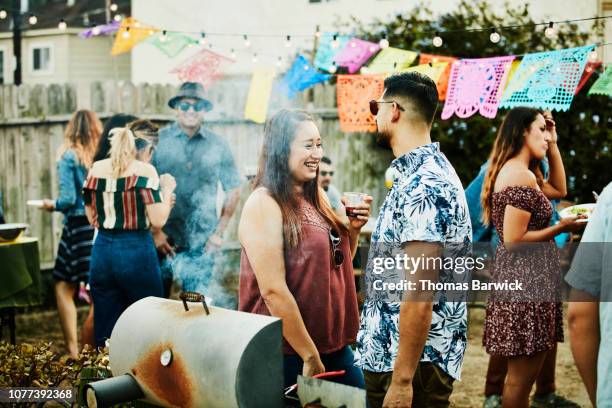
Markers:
<point>383,139</point>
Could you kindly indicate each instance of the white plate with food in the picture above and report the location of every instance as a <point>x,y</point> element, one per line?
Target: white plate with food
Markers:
<point>36,203</point>
<point>575,210</point>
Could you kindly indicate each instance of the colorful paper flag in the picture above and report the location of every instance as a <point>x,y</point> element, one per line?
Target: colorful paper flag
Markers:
<point>433,71</point>
<point>603,85</point>
<point>513,68</point>
<point>130,33</point>
<point>547,80</point>
<point>589,70</point>
<point>171,44</point>
<point>443,82</point>
<point>324,58</point>
<point>354,92</point>
<point>391,60</point>
<point>204,67</point>
<point>301,76</point>
<point>355,53</point>
<point>103,29</point>
<point>476,85</point>
<point>256,107</point>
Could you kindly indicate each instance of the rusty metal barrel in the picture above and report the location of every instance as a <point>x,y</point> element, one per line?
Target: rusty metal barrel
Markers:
<point>201,357</point>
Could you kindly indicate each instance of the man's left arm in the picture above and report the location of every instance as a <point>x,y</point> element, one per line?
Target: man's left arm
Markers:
<point>230,181</point>
<point>414,325</point>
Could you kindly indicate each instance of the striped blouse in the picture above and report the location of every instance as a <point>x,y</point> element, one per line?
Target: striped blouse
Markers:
<point>119,204</point>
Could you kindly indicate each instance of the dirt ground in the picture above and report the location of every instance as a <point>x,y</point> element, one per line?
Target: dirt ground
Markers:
<point>44,326</point>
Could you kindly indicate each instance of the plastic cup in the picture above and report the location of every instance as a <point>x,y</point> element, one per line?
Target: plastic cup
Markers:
<point>353,199</point>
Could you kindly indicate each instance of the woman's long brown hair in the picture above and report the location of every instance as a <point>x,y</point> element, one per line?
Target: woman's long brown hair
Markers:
<point>274,175</point>
<point>509,141</point>
<point>82,135</point>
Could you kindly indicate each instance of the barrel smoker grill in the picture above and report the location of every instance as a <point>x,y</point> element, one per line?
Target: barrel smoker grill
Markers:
<point>180,354</point>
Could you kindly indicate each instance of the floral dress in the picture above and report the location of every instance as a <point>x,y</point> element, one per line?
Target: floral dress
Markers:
<point>526,322</point>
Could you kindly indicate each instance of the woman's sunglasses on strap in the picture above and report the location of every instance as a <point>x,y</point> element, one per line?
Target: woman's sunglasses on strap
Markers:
<point>336,250</point>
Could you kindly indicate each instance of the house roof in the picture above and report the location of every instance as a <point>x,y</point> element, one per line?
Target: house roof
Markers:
<point>84,13</point>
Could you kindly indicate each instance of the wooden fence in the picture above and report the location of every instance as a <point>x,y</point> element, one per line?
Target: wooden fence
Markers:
<point>33,120</point>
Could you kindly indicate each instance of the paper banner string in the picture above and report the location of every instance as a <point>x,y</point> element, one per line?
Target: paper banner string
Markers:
<point>171,44</point>
<point>434,71</point>
<point>603,85</point>
<point>354,93</point>
<point>355,53</point>
<point>547,80</point>
<point>127,38</point>
<point>443,82</point>
<point>391,60</point>
<point>300,77</point>
<point>260,90</point>
<point>590,69</point>
<point>204,67</point>
<point>104,29</point>
<point>324,58</point>
<point>475,85</point>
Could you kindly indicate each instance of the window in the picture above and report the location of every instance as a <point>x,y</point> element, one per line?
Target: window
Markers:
<point>41,59</point>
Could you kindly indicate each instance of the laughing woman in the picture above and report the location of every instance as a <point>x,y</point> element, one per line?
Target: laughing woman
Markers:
<point>296,253</point>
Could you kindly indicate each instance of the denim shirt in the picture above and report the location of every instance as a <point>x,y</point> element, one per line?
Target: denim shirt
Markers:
<point>199,164</point>
<point>71,175</point>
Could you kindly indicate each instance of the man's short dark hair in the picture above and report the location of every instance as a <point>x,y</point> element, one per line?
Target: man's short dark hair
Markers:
<point>326,160</point>
<point>416,88</point>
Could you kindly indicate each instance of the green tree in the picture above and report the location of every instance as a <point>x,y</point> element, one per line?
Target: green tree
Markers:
<point>584,131</point>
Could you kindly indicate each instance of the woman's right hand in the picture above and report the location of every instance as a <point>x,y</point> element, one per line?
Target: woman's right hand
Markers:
<point>167,182</point>
<point>313,366</point>
<point>570,224</point>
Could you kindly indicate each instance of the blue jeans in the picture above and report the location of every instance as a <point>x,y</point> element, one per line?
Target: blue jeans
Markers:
<point>124,269</point>
<point>342,359</point>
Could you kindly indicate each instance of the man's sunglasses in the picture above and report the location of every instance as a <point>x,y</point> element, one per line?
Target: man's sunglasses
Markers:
<point>336,250</point>
<point>326,173</point>
<point>197,107</point>
<point>374,106</point>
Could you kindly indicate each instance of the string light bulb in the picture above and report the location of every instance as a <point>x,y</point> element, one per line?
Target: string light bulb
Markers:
<point>334,68</point>
<point>95,30</point>
<point>202,39</point>
<point>550,31</point>
<point>114,7</point>
<point>318,32</point>
<point>62,25</point>
<point>495,37</point>
<point>117,17</point>
<point>32,19</point>
<point>288,42</point>
<point>335,43</point>
<point>126,33</point>
<point>437,40</point>
<point>3,14</point>
<point>279,62</point>
<point>247,43</point>
<point>593,56</point>
<point>384,42</point>
<point>255,58</point>
<point>233,53</point>
<point>164,36</point>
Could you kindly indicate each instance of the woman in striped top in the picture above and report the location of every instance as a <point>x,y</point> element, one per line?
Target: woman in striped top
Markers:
<point>123,198</point>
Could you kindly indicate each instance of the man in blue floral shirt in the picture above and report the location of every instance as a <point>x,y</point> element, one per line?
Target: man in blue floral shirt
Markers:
<point>412,351</point>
